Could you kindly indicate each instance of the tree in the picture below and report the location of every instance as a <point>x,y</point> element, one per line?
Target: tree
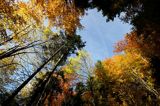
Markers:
<point>134,74</point>
<point>24,35</point>
<point>70,46</point>
<point>146,47</point>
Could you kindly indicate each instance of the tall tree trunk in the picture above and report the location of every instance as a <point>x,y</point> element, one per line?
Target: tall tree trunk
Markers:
<point>36,98</point>
<point>26,81</point>
<point>16,49</point>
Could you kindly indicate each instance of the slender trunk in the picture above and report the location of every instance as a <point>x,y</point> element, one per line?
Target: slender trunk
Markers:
<point>26,81</point>
<point>38,95</point>
<point>144,84</point>
<point>15,49</point>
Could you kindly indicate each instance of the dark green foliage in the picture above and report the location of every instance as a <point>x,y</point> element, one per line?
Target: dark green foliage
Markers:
<point>110,8</point>
<point>156,67</point>
<point>143,14</point>
<point>83,4</point>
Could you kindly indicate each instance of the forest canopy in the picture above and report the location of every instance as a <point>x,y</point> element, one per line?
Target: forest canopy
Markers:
<point>42,61</point>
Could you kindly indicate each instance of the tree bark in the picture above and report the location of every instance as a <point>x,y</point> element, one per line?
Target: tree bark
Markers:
<point>36,98</point>
<point>26,81</point>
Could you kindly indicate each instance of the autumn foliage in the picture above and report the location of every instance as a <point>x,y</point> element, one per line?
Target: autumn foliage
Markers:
<point>41,61</point>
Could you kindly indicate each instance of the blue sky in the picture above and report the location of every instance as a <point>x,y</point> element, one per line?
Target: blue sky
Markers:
<point>101,35</point>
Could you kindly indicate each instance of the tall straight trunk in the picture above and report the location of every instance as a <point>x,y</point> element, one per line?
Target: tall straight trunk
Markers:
<point>41,90</point>
<point>144,84</point>
<point>16,49</point>
<point>26,81</point>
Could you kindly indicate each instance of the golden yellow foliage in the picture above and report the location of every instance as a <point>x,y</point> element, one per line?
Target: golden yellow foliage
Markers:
<point>121,66</point>
<point>129,74</point>
<point>8,64</point>
<point>29,13</point>
<point>60,14</point>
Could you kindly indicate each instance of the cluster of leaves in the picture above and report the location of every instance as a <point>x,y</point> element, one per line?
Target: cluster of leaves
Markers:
<point>60,14</point>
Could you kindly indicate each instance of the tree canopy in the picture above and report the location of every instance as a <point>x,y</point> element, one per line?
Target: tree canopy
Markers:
<point>42,61</point>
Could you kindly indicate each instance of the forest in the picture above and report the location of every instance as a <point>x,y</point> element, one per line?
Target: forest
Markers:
<point>43,61</point>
